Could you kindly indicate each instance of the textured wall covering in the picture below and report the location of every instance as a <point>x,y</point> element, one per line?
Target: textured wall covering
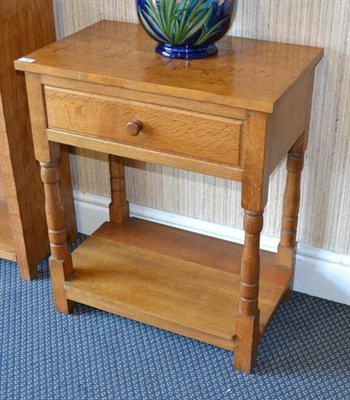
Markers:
<point>325,208</point>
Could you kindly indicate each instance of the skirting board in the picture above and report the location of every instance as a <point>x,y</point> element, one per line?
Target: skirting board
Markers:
<point>318,272</point>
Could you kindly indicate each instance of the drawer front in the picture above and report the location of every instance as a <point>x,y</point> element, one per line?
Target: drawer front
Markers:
<point>210,138</point>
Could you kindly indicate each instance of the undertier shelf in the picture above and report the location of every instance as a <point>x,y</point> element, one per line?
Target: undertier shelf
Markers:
<point>169,278</point>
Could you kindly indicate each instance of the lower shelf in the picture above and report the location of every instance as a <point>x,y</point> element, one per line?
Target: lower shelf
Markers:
<point>169,278</point>
<point>7,247</point>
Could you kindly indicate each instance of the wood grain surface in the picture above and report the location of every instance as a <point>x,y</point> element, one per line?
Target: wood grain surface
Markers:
<point>7,245</point>
<point>186,290</point>
<point>325,217</point>
<point>216,139</point>
<point>254,74</point>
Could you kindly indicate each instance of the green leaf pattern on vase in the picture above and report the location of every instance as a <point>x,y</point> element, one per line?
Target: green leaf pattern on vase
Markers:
<point>186,28</point>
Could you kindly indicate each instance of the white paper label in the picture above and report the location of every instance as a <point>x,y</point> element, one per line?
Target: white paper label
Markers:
<point>25,59</point>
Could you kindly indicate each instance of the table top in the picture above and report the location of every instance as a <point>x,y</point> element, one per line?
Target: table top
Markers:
<point>246,73</point>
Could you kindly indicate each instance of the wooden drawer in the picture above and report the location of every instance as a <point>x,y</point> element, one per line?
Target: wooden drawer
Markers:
<point>211,138</point>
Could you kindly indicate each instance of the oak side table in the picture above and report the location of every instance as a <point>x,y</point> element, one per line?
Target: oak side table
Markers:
<point>234,116</point>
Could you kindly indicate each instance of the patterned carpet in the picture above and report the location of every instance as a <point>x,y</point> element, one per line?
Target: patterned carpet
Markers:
<point>90,355</point>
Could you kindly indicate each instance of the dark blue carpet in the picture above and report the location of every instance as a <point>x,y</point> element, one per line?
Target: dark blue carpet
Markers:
<point>305,353</point>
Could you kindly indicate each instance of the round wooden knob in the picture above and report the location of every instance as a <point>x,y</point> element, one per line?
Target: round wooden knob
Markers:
<point>134,127</point>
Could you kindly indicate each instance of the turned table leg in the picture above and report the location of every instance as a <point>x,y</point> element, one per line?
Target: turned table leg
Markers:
<point>119,207</point>
<point>61,266</point>
<point>254,197</point>
<point>247,320</point>
<point>287,246</point>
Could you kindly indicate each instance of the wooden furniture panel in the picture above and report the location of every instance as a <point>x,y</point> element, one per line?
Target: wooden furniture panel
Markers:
<point>166,129</point>
<point>81,93</point>
<point>142,154</point>
<point>207,108</point>
<point>25,26</point>
<point>291,117</point>
<point>7,243</point>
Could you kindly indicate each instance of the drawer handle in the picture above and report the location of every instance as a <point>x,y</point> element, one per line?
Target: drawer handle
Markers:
<point>134,127</point>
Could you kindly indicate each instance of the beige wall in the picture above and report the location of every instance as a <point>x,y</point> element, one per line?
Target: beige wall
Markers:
<point>325,208</point>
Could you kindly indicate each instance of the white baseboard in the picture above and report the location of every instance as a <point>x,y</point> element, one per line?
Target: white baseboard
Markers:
<point>319,272</point>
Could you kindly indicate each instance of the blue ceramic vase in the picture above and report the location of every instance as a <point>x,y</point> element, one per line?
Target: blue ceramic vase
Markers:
<point>186,29</point>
